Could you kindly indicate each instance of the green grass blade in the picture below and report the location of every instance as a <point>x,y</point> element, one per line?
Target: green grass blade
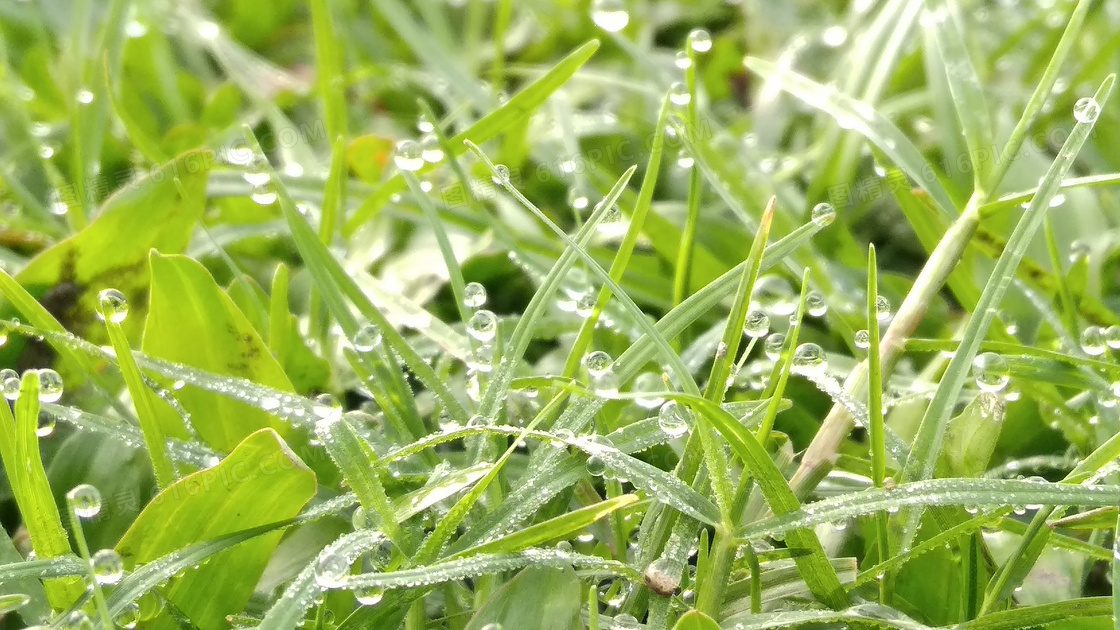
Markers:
<point>330,80</point>
<point>943,19</point>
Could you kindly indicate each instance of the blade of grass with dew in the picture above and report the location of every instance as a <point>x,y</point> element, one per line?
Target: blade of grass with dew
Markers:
<point>682,270</point>
<point>486,128</point>
<point>943,19</point>
<point>212,503</point>
<point>553,529</point>
<point>68,565</point>
<point>876,424</point>
<point>334,196</point>
<point>816,570</point>
<point>358,463</point>
<point>962,492</point>
<point>454,271</point>
<point>861,117</point>
<point>923,454</point>
<point>638,219</point>
<point>337,287</point>
<point>150,425</point>
<point>27,479</point>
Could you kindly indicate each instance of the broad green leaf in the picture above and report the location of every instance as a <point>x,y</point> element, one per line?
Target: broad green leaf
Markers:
<point>192,321</point>
<point>548,599</point>
<point>112,251</point>
<point>696,620</point>
<point>488,127</point>
<point>260,482</point>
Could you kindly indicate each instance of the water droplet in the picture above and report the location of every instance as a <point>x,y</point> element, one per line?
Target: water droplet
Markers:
<point>685,159</point>
<point>409,156</point>
<point>77,620</point>
<point>108,568</point>
<point>369,595</point>
<point>256,174</point>
<point>85,500</point>
<point>501,175</point>
<point>577,200</point>
<point>1112,337</point>
<point>1086,110</point>
<point>595,466</point>
<point>1093,341</point>
<point>430,149</point>
<point>474,295</point>
<point>483,326</point>
<point>494,625</point>
<point>208,30</point>
<point>834,36</point>
<point>862,339</point>
<point>774,345</point>
<point>678,94</point>
<point>598,363</point>
<point>700,40</point>
<point>263,195</point>
<point>682,60</point>
<point>85,97</point>
<point>757,324</point>
<point>50,386</point>
<point>9,383</point>
<point>808,358</point>
<point>331,570</point>
<point>112,306</point>
<point>367,338</point>
<point>46,424</point>
<point>991,371</point>
<point>424,125</point>
<point>129,616</point>
<point>585,305</point>
<point>882,308</point>
<point>823,214</point>
<point>671,419</point>
<point>610,15</point>
<point>815,304</point>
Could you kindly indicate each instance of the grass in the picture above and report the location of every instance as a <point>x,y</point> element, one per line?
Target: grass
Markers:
<point>248,238</point>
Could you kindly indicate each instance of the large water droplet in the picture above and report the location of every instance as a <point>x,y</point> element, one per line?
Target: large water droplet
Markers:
<point>862,339</point>
<point>367,338</point>
<point>50,386</point>
<point>474,295</point>
<point>610,15</point>
<point>1093,341</point>
<point>112,306</point>
<point>682,60</point>
<point>331,570</point>
<point>483,326</point>
<point>774,345</point>
<point>595,466</point>
<point>129,616</point>
<point>9,383</point>
<point>430,149</point>
<point>46,424</point>
<point>85,500</point>
<point>678,94</point>
<point>882,308</point>
<point>369,595</point>
<point>672,419</point>
<point>409,156</point>
<point>991,371</point>
<point>808,358</point>
<point>823,214</point>
<point>1086,110</point>
<point>647,382</point>
<point>774,294</point>
<point>1112,337</point>
<point>815,304</point>
<point>757,324</point>
<point>108,568</point>
<point>598,363</point>
<point>577,199</point>
<point>263,195</point>
<point>700,40</point>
